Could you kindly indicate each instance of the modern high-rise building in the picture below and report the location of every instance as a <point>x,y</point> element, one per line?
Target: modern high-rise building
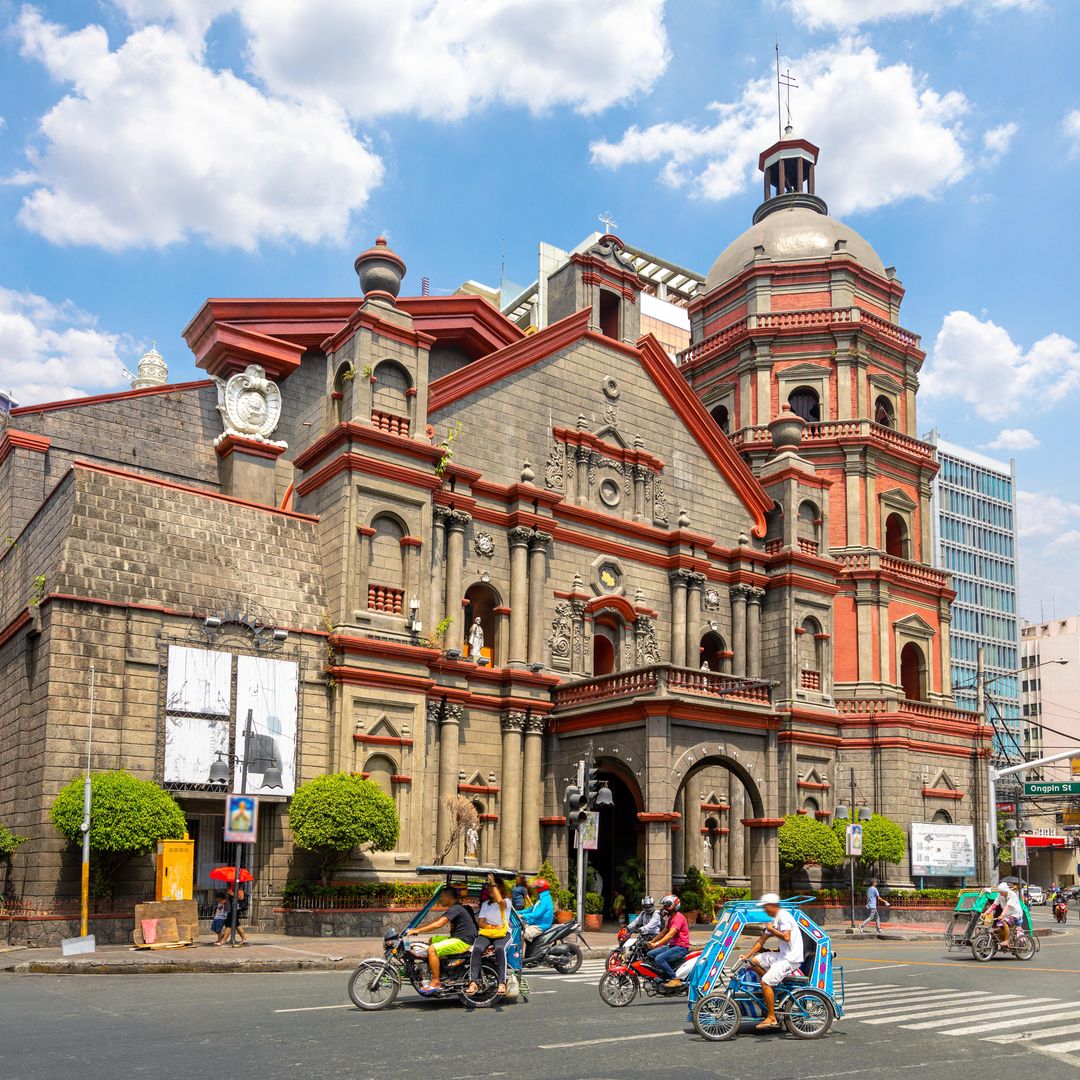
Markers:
<point>974,523</point>
<point>1050,688</point>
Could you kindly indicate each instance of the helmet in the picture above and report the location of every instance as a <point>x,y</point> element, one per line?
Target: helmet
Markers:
<point>647,903</point>
<point>670,903</point>
<point>541,884</point>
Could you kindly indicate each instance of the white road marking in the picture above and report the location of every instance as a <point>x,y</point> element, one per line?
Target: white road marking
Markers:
<point>1030,1005</point>
<point>1027,1036</point>
<point>316,1008</point>
<point>926,1008</point>
<point>1069,1014</point>
<point>860,971</point>
<point>620,1038</point>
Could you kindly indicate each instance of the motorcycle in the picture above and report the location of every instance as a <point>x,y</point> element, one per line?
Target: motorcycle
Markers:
<point>375,983</point>
<point>1061,909</point>
<point>627,944</point>
<point>554,949</point>
<point>621,984</point>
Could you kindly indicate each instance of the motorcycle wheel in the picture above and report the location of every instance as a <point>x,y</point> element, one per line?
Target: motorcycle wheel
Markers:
<point>1025,948</point>
<point>571,963</point>
<point>614,959</point>
<point>486,989</point>
<point>717,1018</point>
<point>984,946</point>
<point>374,985</point>
<point>618,988</point>
<point>808,1014</point>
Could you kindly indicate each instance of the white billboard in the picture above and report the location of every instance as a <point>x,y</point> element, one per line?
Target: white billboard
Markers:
<point>197,694</point>
<point>268,689</point>
<point>939,850</point>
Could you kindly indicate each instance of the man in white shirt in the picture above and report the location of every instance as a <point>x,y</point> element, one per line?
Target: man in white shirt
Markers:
<point>1007,908</point>
<point>773,967</point>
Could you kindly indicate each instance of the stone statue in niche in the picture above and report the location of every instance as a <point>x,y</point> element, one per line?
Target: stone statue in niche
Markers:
<point>706,853</point>
<point>476,641</point>
<point>472,842</point>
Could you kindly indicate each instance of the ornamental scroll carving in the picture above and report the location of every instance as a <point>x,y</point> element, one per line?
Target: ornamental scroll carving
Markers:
<point>555,469</point>
<point>648,648</point>
<point>559,640</point>
<point>250,405</point>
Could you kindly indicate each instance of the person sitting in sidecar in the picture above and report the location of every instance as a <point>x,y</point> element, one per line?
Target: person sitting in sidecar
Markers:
<point>647,922</point>
<point>541,915</point>
<point>463,932</point>
<point>773,967</point>
<point>1005,912</point>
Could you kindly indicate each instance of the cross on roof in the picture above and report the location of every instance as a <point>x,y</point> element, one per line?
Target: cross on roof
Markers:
<point>607,221</point>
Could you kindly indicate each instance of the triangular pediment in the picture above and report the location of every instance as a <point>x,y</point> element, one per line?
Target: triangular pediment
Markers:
<point>898,499</point>
<point>610,434</point>
<point>915,625</point>
<point>943,782</point>
<point>383,727</point>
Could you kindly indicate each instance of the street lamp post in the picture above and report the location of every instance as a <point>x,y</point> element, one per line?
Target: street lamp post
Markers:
<point>588,794</point>
<point>852,814</point>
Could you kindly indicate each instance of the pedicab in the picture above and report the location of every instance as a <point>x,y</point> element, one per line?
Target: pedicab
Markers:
<point>966,929</point>
<point>807,1001</point>
<point>375,983</point>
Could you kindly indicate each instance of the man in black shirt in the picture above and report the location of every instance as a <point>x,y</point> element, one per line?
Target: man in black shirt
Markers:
<point>463,930</point>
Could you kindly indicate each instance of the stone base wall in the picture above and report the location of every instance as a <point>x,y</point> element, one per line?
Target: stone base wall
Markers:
<point>357,922</point>
<point>49,930</point>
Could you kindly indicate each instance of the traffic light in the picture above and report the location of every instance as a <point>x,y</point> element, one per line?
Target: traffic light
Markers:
<point>576,803</point>
<point>592,782</point>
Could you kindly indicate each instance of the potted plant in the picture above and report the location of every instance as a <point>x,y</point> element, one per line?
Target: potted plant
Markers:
<point>594,911</point>
<point>692,897</point>
<point>564,904</point>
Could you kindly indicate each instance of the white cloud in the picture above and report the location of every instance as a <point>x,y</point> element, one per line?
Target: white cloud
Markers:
<point>51,351</point>
<point>1071,125</point>
<point>1014,439</point>
<point>152,147</point>
<point>997,140</point>
<point>1042,515</point>
<point>977,361</point>
<point>845,14</point>
<point>441,60</point>
<point>1049,533</point>
<point>886,133</point>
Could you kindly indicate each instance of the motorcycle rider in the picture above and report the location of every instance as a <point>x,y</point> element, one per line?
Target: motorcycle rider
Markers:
<point>463,930</point>
<point>773,967</point>
<point>541,915</point>
<point>671,947</point>
<point>1006,910</point>
<point>647,922</point>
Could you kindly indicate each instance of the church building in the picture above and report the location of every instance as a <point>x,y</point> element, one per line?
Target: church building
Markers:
<point>398,536</point>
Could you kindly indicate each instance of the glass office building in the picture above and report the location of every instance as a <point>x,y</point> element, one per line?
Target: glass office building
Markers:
<point>974,534</point>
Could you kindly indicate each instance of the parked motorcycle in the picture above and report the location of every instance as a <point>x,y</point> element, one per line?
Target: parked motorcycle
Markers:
<point>621,984</point>
<point>553,948</point>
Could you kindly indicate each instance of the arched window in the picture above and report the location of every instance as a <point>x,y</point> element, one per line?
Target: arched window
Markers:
<point>804,402</point>
<point>390,398</point>
<point>942,817</point>
<point>811,805</point>
<point>341,396</point>
<point>386,574</point>
<point>809,527</point>
<point>774,528</point>
<point>711,650</point>
<point>896,536</point>
<point>380,769</point>
<point>883,412</point>
<point>811,655</point>
<point>913,672</point>
<point>480,603</point>
<point>720,416</point>
<point>609,314</point>
<point>607,632</point>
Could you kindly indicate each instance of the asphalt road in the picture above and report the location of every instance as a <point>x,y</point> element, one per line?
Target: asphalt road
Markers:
<point>914,1012</point>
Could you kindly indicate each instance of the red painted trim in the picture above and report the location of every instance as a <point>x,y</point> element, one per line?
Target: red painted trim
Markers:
<point>506,362</point>
<point>479,789</point>
<point>411,541</point>
<point>230,444</point>
<point>941,793</point>
<point>469,322</point>
<point>100,399</point>
<point>365,530</point>
<point>500,610</point>
<point>91,466</point>
<point>13,627</point>
<point>812,785</point>
<point>670,815</point>
<point>400,778</point>
<point>632,455</point>
<point>715,806</point>
<point>612,603</point>
<point>365,433</point>
<point>369,320</point>
<point>763,822</point>
<point>224,348</point>
<point>350,676</point>
<point>12,439</point>
<point>351,462</point>
<point>488,817</point>
<point>553,821</point>
<point>381,740</point>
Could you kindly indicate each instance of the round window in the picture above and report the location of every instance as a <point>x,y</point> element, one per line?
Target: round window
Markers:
<point>609,492</point>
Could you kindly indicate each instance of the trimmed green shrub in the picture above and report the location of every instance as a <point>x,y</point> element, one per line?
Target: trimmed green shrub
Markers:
<point>805,841</point>
<point>9,841</point>
<point>883,841</point>
<point>594,904</point>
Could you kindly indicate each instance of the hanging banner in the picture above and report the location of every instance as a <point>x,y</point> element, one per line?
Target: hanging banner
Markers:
<point>1019,851</point>
<point>942,850</point>
<point>197,693</point>
<point>241,819</point>
<point>589,831</point>
<point>268,690</point>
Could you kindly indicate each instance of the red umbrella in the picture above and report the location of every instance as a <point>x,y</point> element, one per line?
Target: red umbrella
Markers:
<point>228,873</point>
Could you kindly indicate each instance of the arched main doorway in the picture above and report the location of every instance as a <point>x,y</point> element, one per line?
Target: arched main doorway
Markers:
<point>619,856</point>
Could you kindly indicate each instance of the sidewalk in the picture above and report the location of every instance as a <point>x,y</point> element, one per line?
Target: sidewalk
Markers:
<point>267,952</point>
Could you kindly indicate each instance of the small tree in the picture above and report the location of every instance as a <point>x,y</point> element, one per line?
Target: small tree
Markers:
<point>805,841</point>
<point>463,816</point>
<point>882,841</point>
<point>128,817</point>
<point>331,816</point>
<point>9,842</point>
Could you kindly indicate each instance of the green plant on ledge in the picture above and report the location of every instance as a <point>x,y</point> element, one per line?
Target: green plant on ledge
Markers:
<point>442,627</point>
<point>447,447</point>
<point>348,375</point>
<point>37,590</point>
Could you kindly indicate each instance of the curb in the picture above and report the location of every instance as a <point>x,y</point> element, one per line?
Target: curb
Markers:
<point>181,967</point>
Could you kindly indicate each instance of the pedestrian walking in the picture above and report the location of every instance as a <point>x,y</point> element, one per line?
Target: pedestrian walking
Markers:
<point>240,899</point>
<point>873,898</point>
<point>220,918</point>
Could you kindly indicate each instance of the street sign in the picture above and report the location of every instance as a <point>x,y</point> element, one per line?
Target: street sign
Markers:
<point>1019,851</point>
<point>854,841</point>
<point>1052,787</point>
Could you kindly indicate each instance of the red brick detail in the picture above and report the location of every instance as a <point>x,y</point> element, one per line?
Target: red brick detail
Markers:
<point>479,789</point>
<point>381,740</point>
<point>13,439</point>
<point>385,598</point>
<point>388,422</point>
<point>941,793</point>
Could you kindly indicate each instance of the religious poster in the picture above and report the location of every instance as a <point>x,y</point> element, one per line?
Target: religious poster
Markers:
<point>198,689</point>
<point>939,850</point>
<point>241,819</point>
<point>267,689</point>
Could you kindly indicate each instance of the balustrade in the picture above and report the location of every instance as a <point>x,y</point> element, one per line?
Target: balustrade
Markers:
<point>388,422</point>
<point>385,598</point>
<point>656,679</point>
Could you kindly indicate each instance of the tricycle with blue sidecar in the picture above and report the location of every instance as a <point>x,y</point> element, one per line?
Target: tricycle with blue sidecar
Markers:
<point>968,929</point>
<point>807,1001</point>
<point>375,983</point>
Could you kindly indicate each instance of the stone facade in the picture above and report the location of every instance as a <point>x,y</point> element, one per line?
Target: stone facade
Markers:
<point>732,609</point>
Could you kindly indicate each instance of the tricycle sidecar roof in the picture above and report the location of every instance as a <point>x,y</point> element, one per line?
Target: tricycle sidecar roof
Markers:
<point>464,871</point>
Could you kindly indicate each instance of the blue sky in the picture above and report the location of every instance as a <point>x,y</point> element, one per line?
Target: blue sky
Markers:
<point>156,152</point>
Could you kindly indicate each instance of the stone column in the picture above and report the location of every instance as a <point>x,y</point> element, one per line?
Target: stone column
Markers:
<point>518,539</point>
<point>738,628</point>
<point>695,587</point>
<point>657,851</point>
<point>449,719</point>
<point>863,625</point>
<point>754,598</point>
<point>435,614</point>
<point>538,543</point>
<point>692,823</point>
<point>640,474</point>
<point>678,839</point>
<point>513,723</point>
<point>736,846</point>
<point>531,800</point>
<point>456,520</point>
<point>678,580</point>
<point>763,867</point>
<point>582,456</point>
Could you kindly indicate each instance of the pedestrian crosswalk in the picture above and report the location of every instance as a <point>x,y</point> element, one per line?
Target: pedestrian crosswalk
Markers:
<point>592,967</point>
<point>1008,1019</point>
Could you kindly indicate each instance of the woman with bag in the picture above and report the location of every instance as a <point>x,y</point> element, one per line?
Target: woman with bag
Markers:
<point>494,919</point>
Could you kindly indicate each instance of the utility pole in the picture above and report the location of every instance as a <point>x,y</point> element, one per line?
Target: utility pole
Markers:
<point>84,891</point>
<point>588,794</point>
